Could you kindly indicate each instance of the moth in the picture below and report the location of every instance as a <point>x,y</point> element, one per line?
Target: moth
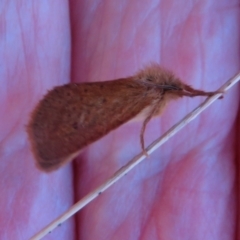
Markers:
<point>74,115</point>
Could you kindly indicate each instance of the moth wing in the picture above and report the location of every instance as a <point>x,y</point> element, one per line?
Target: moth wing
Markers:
<point>72,116</point>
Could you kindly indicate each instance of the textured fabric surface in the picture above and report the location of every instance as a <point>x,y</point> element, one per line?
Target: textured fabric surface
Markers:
<point>188,189</point>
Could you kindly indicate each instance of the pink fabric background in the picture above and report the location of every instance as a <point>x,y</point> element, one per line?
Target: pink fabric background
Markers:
<point>188,189</point>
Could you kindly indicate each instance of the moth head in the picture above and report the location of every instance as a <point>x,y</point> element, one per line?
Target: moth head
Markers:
<point>161,78</point>
<point>171,86</point>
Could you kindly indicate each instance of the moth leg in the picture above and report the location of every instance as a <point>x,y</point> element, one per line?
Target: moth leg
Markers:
<point>191,92</point>
<point>147,119</point>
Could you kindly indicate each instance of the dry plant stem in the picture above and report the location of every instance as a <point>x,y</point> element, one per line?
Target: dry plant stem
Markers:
<point>136,160</point>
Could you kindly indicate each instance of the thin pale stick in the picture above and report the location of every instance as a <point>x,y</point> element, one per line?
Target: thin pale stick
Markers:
<point>136,160</point>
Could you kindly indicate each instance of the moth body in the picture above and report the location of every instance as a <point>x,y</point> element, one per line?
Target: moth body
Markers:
<point>72,116</point>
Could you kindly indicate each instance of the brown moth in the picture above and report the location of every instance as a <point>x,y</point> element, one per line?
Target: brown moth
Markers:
<point>72,116</point>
